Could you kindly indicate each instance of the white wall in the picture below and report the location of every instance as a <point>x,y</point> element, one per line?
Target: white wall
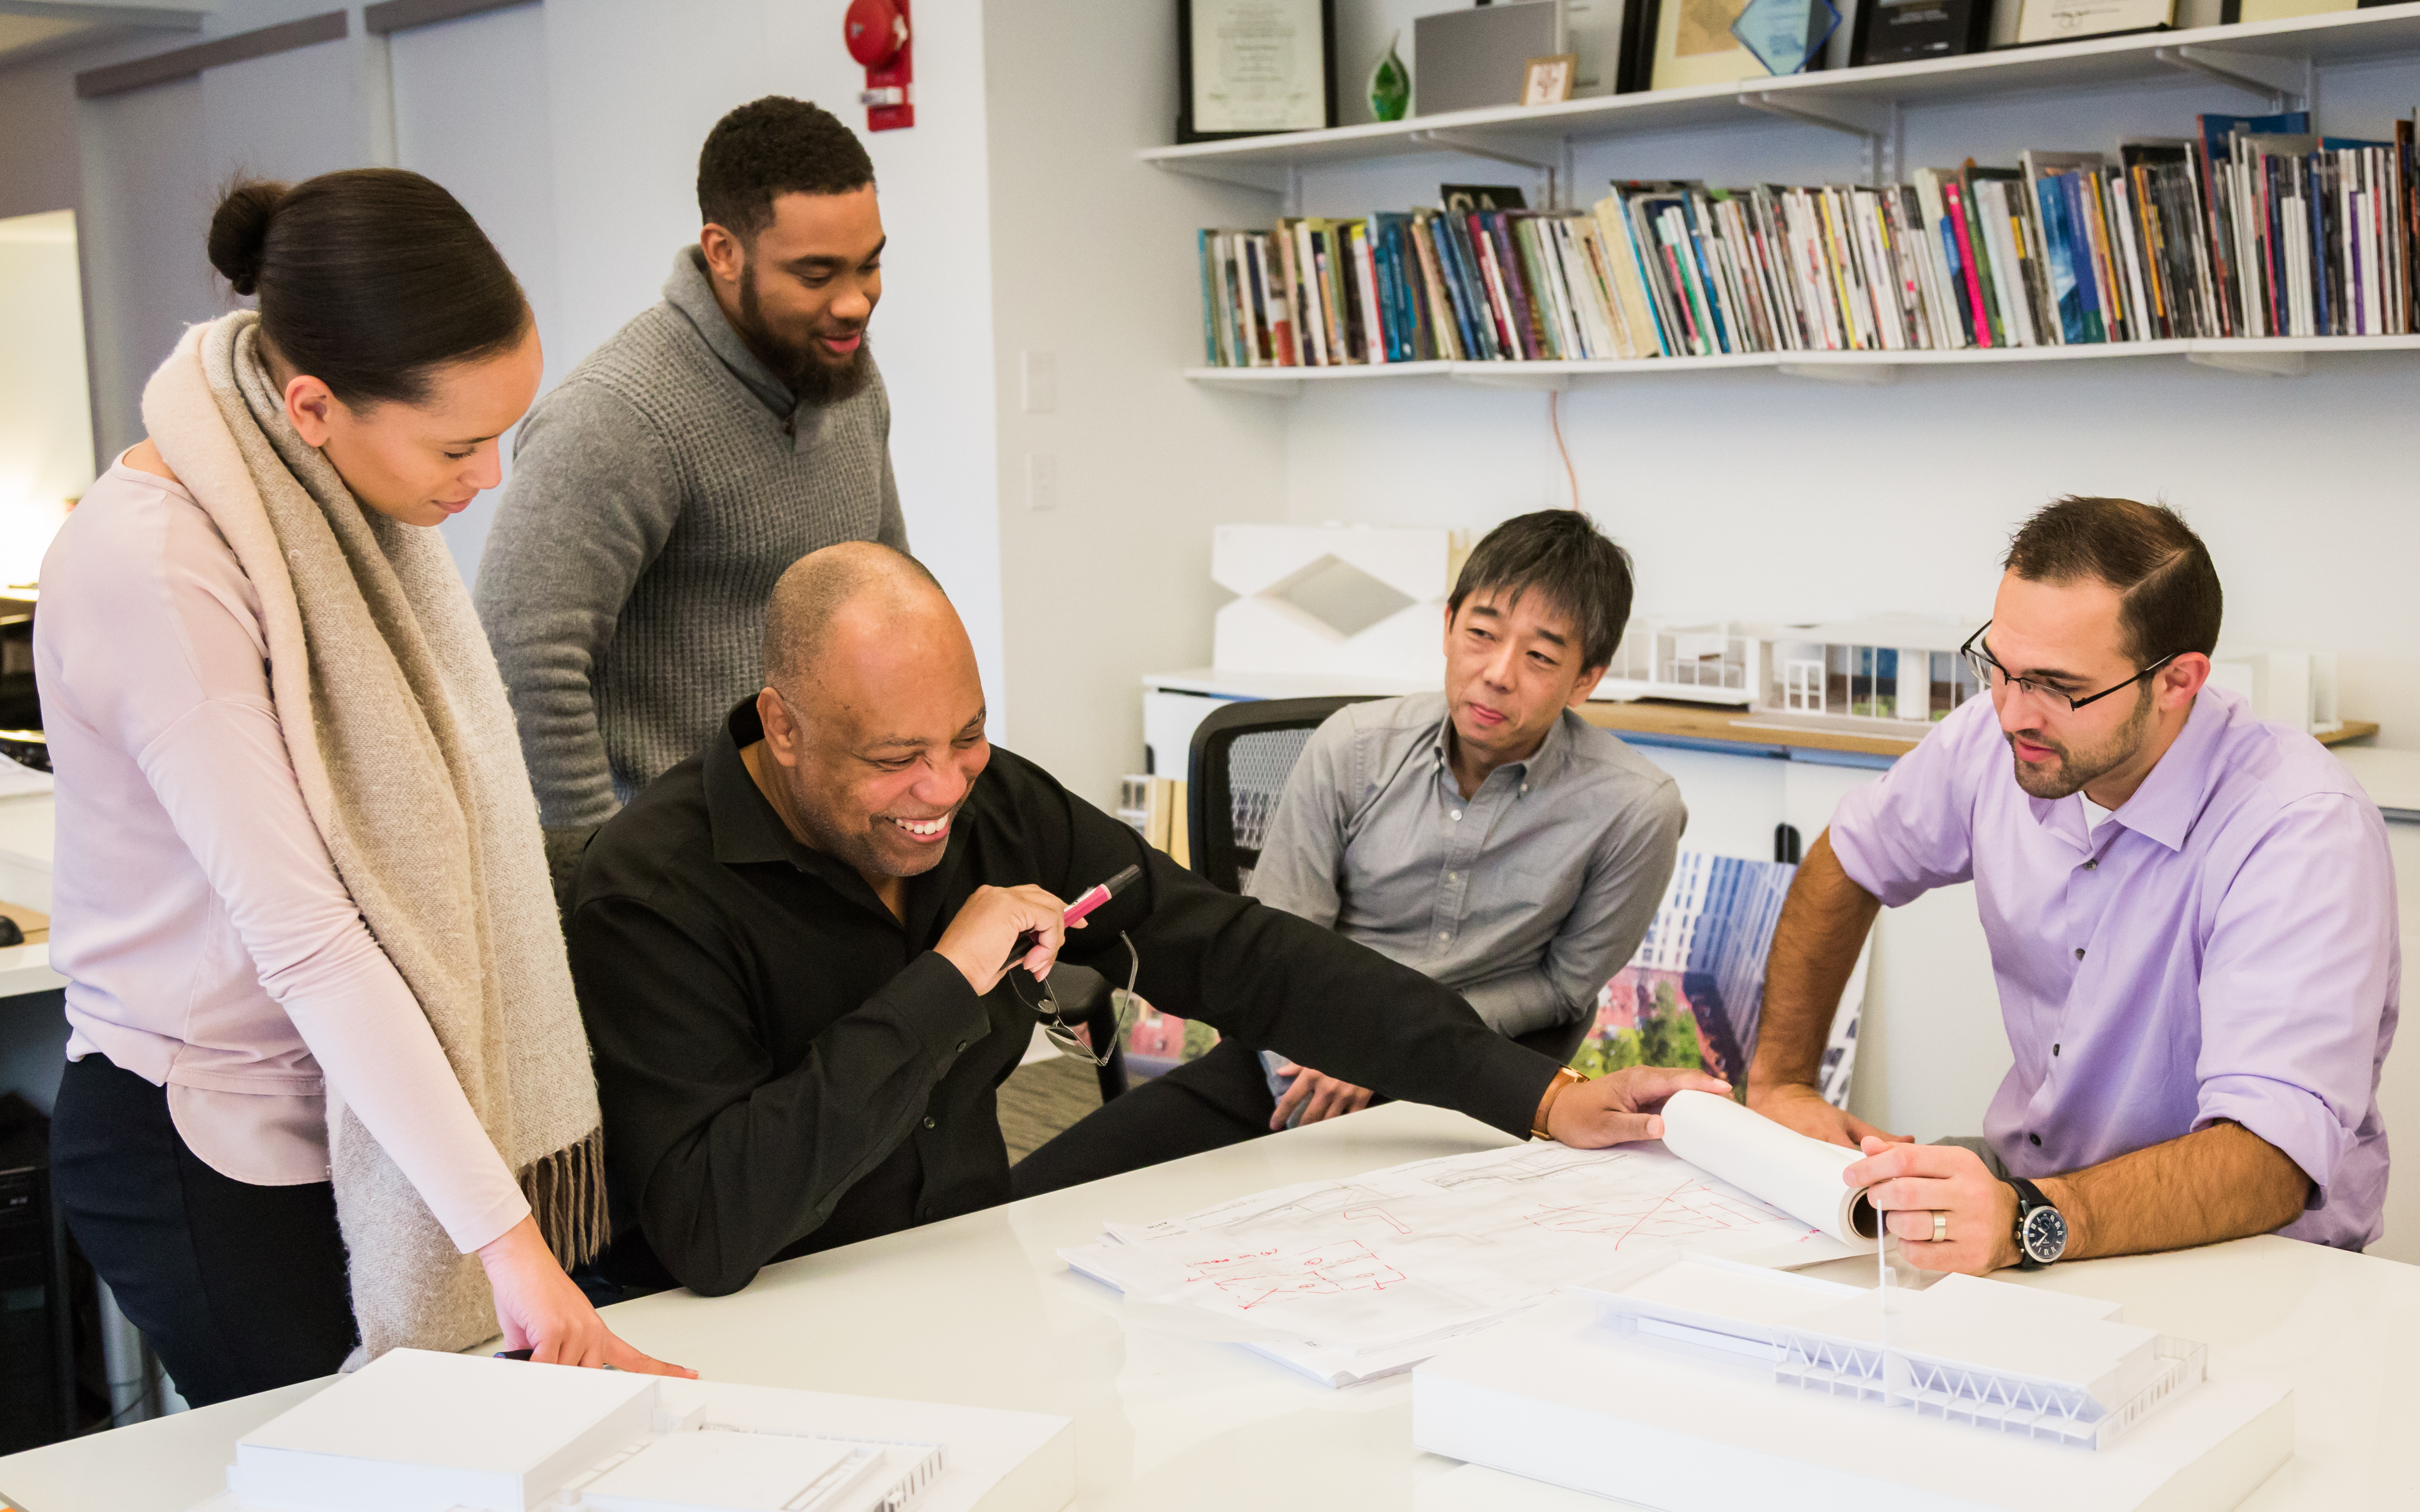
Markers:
<point>45,419</point>
<point>470,105</point>
<point>572,131</point>
<point>1093,266</point>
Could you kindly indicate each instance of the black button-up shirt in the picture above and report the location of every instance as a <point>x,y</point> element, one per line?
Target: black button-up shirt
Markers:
<point>785,1066</point>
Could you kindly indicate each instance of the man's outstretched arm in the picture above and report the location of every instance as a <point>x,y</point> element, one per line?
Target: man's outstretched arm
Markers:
<point>1822,927</point>
<point>2219,1182</point>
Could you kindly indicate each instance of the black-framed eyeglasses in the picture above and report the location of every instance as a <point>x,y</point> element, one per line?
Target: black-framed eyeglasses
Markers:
<point>1069,1037</point>
<point>1991,674</point>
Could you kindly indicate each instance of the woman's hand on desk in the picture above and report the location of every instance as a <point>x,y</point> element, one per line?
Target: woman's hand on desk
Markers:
<point>1621,1106</point>
<point>541,1310</point>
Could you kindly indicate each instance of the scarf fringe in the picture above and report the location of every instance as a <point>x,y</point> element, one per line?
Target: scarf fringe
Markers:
<point>566,1195</point>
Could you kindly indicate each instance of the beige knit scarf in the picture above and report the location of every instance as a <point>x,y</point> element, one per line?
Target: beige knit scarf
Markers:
<point>396,723</point>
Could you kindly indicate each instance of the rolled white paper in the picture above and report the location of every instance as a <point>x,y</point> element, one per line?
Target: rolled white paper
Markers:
<point>1782,1166</point>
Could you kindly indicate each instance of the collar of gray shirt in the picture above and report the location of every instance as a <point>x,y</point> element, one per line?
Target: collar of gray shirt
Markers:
<point>692,292</point>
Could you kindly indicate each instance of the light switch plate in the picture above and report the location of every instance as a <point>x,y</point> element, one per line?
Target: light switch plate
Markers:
<point>1041,383</point>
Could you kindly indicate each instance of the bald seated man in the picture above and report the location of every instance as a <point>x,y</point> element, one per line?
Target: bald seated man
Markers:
<point>808,955</point>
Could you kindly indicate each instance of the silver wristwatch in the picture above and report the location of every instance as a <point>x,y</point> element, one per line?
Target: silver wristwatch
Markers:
<point>2042,1232</point>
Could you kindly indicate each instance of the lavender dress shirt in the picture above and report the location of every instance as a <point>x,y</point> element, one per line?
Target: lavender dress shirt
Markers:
<point>2223,947</point>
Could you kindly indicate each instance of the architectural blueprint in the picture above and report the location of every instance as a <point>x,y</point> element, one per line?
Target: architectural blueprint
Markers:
<point>1370,1274</point>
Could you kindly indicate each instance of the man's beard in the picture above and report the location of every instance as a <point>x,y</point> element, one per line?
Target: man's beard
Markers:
<point>816,383</point>
<point>2078,770</point>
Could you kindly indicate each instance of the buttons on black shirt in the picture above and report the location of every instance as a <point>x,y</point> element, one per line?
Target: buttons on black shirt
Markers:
<point>928,1120</point>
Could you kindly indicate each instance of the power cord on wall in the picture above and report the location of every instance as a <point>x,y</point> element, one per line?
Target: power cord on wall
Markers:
<point>1555,418</point>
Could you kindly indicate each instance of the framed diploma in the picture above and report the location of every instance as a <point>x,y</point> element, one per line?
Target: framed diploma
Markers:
<point>1245,68</point>
<point>2061,21</point>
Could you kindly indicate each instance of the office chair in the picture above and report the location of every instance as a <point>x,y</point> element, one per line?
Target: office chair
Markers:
<point>1242,753</point>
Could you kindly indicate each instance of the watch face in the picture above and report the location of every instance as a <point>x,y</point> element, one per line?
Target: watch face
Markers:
<point>2046,1235</point>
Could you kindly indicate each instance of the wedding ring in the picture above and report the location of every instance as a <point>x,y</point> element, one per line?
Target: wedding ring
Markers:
<point>1941,1227</point>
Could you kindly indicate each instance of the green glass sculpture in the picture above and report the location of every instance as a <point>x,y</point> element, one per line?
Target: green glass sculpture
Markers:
<point>1390,85</point>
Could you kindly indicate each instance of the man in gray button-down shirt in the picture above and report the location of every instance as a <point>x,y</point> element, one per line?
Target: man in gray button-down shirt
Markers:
<point>1487,837</point>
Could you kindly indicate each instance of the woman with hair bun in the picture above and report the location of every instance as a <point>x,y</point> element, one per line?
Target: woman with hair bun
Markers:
<point>325,1049</point>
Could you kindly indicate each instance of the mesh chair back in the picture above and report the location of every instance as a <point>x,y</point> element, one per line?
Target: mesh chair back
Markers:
<point>1241,754</point>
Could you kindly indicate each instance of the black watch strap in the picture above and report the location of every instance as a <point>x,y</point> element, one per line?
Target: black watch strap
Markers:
<point>2030,1199</point>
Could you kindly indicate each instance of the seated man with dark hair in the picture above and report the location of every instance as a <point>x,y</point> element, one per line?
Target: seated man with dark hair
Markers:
<point>1486,837</point>
<point>807,955</point>
<point>2191,914</point>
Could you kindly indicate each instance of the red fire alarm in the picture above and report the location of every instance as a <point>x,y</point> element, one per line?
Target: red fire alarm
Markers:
<point>877,37</point>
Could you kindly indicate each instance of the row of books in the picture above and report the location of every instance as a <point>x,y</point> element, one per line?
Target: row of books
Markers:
<point>2253,228</point>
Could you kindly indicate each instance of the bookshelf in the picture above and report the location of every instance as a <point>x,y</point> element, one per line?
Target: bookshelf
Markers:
<point>2275,57</point>
<point>2267,357</point>
<point>2278,59</point>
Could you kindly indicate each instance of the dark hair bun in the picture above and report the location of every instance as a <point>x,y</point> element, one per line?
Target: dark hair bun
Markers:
<point>240,232</point>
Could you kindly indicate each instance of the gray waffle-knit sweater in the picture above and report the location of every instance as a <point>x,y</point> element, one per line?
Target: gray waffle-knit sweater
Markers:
<point>656,493</point>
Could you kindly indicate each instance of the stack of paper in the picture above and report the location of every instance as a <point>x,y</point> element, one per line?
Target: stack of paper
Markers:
<point>1350,1280</point>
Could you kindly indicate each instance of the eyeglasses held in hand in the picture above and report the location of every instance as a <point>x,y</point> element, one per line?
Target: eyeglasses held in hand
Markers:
<point>1991,674</point>
<point>1069,1037</point>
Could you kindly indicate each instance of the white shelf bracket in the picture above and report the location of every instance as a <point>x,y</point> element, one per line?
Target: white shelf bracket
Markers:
<point>1469,148</point>
<point>1869,375</point>
<point>1858,118</point>
<point>1875,122</point>
<point>1268,180</point>
<point>2282,79</point>
<point>2257,364</point>
<point>1511,376</point>
<point>1257,388</point>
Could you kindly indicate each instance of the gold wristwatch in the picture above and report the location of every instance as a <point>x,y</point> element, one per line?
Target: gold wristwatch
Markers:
<point>1564,1078</point>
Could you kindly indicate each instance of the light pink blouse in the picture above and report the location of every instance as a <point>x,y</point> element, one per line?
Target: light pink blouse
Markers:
<point>209,943</point>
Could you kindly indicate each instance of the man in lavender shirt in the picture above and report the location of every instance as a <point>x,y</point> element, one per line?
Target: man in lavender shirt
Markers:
<point>2191,919</point>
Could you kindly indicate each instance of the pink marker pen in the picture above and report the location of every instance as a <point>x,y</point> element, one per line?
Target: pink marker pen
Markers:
<point>1099,894</point>
<point>1091,898</point>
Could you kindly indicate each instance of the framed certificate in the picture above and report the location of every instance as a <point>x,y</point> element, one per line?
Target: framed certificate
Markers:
<point>2061,21</point>
<point>1694,45</point>
<point>1245,68</point>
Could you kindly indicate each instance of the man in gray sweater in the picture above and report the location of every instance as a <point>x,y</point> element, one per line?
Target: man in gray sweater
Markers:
<point>659,490</point>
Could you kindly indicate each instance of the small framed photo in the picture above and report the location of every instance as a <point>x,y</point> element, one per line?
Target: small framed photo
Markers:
<point>1547,81</point>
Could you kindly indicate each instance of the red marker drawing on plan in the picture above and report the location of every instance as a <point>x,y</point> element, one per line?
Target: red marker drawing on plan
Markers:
<point>1091,899</point>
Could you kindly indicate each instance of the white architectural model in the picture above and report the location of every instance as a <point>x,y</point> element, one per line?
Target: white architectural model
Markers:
<point>2038,1364</point>
<point>414,1431</point>
<point>1898,668</point>
<point>1673,1402</point>
<point>2294,687</point>
<point>1334,598</point>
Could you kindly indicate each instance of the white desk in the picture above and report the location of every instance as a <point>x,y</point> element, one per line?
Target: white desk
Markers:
<point>979,1310</point>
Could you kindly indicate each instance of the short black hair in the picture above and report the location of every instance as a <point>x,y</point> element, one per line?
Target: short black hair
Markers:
<point>370,279</point>
<point>773,146</point>
<point>2169,601</point>
<point>1562,554</point>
